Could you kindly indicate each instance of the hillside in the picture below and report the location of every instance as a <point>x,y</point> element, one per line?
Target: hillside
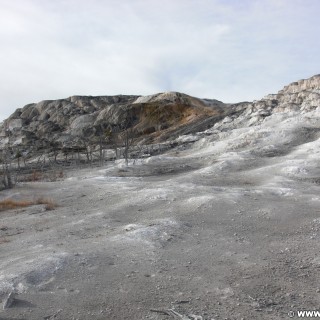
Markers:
<point>65,121</point>
<point>223,223</point>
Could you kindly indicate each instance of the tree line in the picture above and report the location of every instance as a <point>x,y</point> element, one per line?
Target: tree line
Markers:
<point>87,149</point>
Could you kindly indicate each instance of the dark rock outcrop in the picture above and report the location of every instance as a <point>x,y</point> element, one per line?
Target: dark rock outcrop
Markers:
<point>153,118</point>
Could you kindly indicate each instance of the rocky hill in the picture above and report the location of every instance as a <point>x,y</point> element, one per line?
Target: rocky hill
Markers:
<point>66,121</point>
<point>75,121</point>
<point>223,223</point>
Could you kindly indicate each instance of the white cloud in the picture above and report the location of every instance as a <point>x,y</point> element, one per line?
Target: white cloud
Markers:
<point>228,50</point>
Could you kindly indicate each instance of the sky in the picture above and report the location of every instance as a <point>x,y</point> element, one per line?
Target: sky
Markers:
<point>230,50</point>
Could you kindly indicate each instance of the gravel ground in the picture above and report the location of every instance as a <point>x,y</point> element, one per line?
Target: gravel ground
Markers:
<point>148,243</point>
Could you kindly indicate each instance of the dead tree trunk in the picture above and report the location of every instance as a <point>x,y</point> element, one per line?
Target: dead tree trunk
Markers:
<point>6,169</point>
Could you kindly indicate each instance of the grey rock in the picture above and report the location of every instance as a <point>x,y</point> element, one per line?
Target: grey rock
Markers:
<point>155,118</point>
<point>8,301</point>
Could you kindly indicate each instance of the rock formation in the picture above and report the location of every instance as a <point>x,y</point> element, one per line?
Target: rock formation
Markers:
<point>66,122</point>
<point>224,225</point>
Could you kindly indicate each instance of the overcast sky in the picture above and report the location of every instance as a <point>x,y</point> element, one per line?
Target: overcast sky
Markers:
<point>230,50</point>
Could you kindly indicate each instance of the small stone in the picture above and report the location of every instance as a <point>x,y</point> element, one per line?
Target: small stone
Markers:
<point>8,301</point>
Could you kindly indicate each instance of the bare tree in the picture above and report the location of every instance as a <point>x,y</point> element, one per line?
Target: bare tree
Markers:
<point>86,146</point>
<point>128,138</point>
<point>6,162</point>
<point>18,156</point>
<point>128,135</point>
<point>108,136</point>
<point>102,139</point>
<point>6,174</point>
<point>115,141</point>
<point>56,147</point>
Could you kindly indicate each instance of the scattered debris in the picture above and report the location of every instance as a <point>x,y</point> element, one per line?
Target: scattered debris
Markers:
<point>8,301</point>
<point>176,315</point>
<point>182,301</point>
<point>195,317</point>
<point>52,316</point>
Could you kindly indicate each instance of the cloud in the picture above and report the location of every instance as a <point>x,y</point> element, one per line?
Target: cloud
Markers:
<point>228,50</point>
